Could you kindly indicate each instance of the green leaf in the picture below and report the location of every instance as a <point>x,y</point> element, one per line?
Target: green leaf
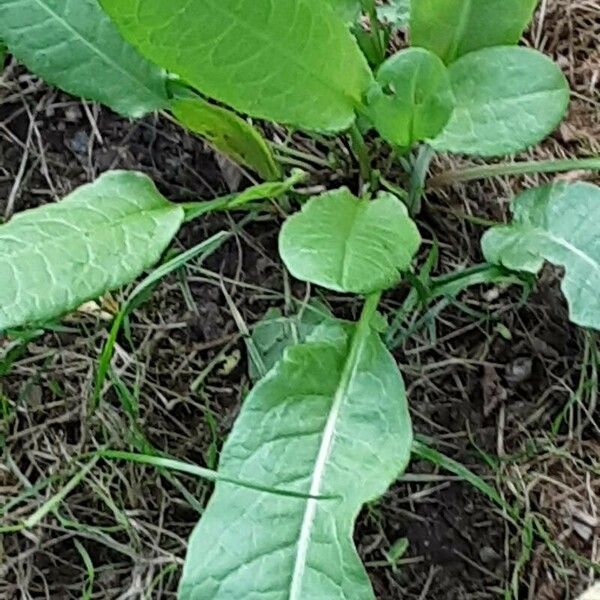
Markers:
<point>452,28</point>
<point>349,245</point>
<point>276,332</point>
<point>289,61</point>
<point>73,44</point>
<point>331,420</point>
<point>413,100</point>
<point>396,13</point>
<point>228,133</point>
<point>557,223</point>
<point>2,53</point>
<point>102,236</point>
<point>507,98</point>
<point>349,10</point>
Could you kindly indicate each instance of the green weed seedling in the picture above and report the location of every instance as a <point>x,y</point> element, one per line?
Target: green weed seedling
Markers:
<point>326,427</point>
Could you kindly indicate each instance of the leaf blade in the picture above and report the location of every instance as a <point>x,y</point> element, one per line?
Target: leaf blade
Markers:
<point>413,100</point>
<point>320,434</point>
<point>54,258</point>
<point>507,98</point>
<point>246,55</point>
<point>228,133</point>
<point>453,28</point>
<point>558,224</point>
<point>74,45</point>
<point>349,245</point>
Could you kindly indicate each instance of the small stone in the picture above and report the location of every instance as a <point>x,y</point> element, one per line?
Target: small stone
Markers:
<point>519,370</point>
<point>488,555</point>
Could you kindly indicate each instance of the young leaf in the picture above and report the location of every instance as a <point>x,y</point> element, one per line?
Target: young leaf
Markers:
<point>349,245</point>
<point>228,133</point>
<point>507,98</point>
<point>413,100</point>
<point>451,28</point>
<point>557,223</point>
<point>73,45</point>
<point>292,61</point>
<point>330,420</point>
<point>103,235</point>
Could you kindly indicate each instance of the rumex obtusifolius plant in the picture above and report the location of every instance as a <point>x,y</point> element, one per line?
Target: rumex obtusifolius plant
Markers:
<point>329,417</point>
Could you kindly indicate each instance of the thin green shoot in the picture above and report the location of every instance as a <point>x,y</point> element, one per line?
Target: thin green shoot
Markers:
<point>205,249</point>
<point>89,570</point>
<point>516,168</point>
<point>426,452</point>
<point>208,474</point>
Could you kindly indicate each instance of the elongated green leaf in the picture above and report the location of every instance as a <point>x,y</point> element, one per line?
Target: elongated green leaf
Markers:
<point>557,223</point>
<point>451,28</point>
<point>332,420</point>
<point>228,133</point>
<point>98,238</point>
<point>292,61</point>
<point>349,245</point>
<point>2,53</point>
<point>73,45</point>
<point>413,100</point>
<point>507,98</point>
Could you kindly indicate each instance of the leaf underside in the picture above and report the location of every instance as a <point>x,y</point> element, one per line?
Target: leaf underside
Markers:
<point>291,61</point>
<point>75,46</point>
<point>559,224</point>
<point>349,245</point>
<point>228,133</point>
<point>452,28</point>
<point>507,99</point>
<point>310,426</point>
<point>100,237</point>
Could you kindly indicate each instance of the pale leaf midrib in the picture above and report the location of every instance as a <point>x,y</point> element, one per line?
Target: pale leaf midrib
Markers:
<point>346,377</point>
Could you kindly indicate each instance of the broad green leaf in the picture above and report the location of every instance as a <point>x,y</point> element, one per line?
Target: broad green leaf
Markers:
<point>228,133</point>
<point>349,245</point>
<point>102,236</point>
<point>292,61</point>
<point>452,28</point>
<point>413,100</point>
<point>332,420</point>
<point>276,332</point>
<point>507,98</point>
<point>556,223</point>
<point>73,45</point>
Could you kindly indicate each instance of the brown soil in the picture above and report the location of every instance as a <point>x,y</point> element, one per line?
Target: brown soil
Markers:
<point>487,377</point>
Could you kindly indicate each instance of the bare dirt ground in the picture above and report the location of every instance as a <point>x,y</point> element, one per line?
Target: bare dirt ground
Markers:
<point>507,388</point>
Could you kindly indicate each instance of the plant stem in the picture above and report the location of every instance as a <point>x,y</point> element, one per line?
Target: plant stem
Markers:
<point>305,156</point>
<point>376,33</point>
<point>417,178</point>
<point>360,151</point>
<point>518,168</point>
<point>263,191</point>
